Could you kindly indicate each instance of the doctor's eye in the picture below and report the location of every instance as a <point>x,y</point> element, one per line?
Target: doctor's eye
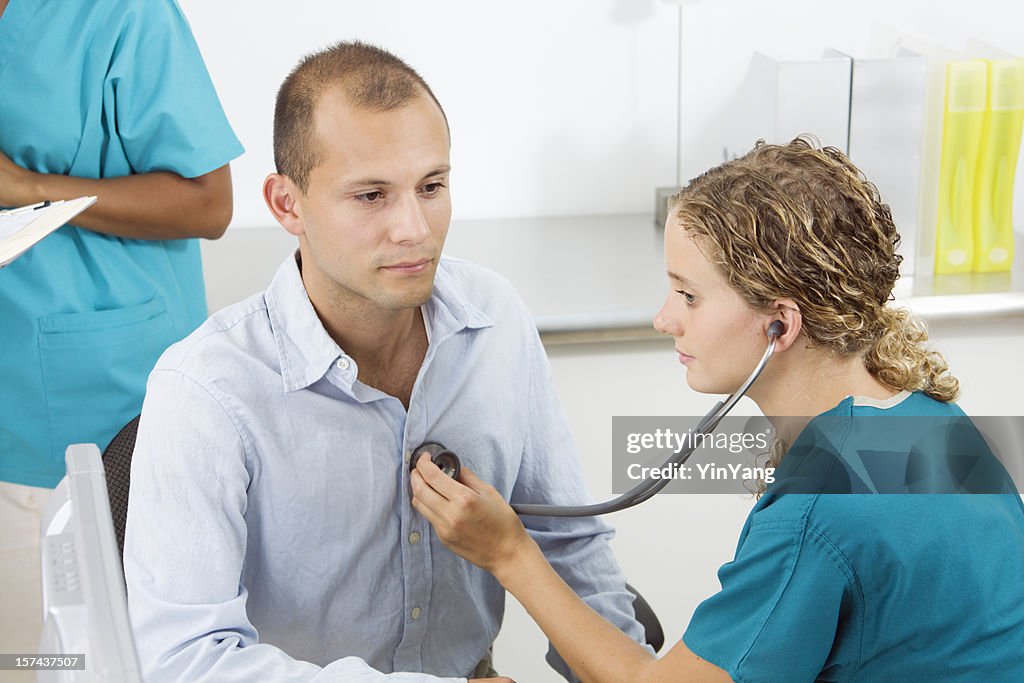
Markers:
<point>432,188</point>
<point>690,298</point>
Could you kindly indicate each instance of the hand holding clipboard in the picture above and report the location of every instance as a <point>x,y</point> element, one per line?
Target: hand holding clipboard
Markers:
<point>22,228</point>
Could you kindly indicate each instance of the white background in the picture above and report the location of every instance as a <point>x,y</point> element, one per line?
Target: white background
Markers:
<point>556,108</point>
<point>719,36</point>
<point>565,107</point>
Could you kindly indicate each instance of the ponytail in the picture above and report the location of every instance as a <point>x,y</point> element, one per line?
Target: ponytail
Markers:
<point>900,359</point>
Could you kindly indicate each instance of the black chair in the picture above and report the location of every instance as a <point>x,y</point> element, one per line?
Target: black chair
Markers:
<point>653,633</point>
<point>117,461</point>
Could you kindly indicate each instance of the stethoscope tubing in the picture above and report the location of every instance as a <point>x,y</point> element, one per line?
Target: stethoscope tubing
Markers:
<point>649,488</point>
<point>449,461</point>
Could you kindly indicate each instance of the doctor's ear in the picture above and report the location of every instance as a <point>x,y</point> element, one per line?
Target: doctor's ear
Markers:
<point>784,324</point>
<point>280,193</point>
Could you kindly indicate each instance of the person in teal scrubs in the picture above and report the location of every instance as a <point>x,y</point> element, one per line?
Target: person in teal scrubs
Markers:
<point>890,544</point>
<point>108,98</point>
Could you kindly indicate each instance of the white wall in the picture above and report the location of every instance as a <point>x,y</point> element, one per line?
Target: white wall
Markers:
<point>556,108</point>
<point>718,37</point>
<point>568,107</point>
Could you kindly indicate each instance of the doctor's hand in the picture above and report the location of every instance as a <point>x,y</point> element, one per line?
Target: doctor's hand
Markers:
<point>470,517</point>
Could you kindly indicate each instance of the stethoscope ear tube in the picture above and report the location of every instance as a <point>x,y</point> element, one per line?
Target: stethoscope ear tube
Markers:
<point>449,462</point>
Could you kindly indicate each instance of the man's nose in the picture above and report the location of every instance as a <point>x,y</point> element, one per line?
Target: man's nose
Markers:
<point>410,222</point>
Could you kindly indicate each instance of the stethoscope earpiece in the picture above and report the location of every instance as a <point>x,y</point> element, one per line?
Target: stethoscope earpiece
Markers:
<point>776,329</point>
<point>446,460</point>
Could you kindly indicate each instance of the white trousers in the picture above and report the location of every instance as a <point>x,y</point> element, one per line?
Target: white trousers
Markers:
<point>21,602</point>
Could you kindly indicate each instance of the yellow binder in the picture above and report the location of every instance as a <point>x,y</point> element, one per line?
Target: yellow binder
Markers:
<point>997,164</point>
<point>966,86</point>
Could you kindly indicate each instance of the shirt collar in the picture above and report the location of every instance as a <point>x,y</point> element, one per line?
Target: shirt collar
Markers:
<point>306,351</point>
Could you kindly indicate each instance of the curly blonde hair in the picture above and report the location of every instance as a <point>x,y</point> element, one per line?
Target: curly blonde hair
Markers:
<point>802,222</point>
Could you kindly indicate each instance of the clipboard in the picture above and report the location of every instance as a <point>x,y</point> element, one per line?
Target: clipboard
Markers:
<point>23,227</point>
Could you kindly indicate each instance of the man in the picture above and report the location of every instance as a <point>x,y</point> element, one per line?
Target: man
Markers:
<point>270,533</point>
<point>108,98</point>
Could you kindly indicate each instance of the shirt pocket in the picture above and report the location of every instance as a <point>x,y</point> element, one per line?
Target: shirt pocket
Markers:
<point>94,367</point>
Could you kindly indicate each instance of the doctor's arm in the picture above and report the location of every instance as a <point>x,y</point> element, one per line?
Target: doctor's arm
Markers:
<point>579,549</point>
<point>474,521</point>
<point>150,206</point>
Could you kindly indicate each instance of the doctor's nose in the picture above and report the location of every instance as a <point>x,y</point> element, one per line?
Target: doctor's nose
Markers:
<point>665,321</point>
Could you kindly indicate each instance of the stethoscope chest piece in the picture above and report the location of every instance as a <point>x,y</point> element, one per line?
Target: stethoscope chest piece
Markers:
<point>446,461</point>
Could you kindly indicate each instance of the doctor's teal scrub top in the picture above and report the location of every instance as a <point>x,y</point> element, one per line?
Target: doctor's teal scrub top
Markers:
<point>871,587</point>
<point>96,89</point>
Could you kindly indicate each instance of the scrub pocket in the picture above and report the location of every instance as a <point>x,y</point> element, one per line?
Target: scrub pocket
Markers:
<point>95,366</point>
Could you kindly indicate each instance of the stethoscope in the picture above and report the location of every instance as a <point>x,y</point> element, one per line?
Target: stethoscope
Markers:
<point>449,463</point>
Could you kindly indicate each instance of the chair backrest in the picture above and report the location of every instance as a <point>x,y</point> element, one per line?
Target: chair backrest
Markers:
<point>653,633</point>
<point>117,462</point>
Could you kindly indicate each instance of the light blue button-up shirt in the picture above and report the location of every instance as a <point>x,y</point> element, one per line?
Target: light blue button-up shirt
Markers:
<point>270,534</point>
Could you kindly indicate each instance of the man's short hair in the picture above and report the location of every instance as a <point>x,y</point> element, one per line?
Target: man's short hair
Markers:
<point>372,78</point>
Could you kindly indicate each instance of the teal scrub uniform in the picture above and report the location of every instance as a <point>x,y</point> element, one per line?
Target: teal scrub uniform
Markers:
<point>904,587</point>
<point>96,89</point>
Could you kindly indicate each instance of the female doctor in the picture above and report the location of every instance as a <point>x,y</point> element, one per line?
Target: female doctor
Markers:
<point>823,587</point>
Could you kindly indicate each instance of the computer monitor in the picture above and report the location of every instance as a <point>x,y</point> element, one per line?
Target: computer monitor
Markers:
<point>85,608</point>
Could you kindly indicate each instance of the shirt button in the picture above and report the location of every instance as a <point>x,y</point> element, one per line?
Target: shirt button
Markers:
<point>416,611</point>
<point>343,363</point>
<point>414,537</point>
<point>408,456</point>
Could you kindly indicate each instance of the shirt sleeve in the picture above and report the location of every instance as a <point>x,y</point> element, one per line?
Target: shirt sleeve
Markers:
<point>577,548</point>
<point>168,115</point>
<point>184,549</point>
<point>783,600</point>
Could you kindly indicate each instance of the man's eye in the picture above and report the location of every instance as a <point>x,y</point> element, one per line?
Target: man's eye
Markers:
<point>370,197</point>
<point>432,188</point>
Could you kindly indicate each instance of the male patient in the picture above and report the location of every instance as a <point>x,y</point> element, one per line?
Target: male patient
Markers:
<point>270,535</point>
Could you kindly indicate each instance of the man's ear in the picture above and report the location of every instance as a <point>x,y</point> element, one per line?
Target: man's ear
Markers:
<point>280,194</point>
<point>788,313</point>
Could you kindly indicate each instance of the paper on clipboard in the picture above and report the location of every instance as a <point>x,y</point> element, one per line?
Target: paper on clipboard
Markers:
<point>22,228</point>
